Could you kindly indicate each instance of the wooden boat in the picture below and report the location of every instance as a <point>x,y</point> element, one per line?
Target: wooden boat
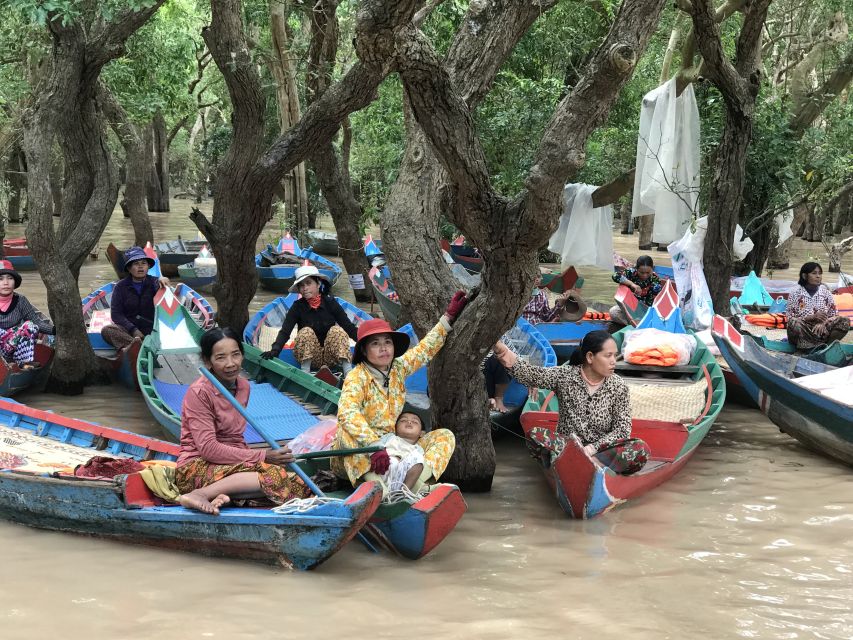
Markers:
<point>264,326</point>
<point>386,294</point>
<point>14,379</point>
<point>174,253</point>
<point>96,315</point>
<point>18,253</point>
<point>560,282</point>
<point>169,361</point>
<point>200,274</point>
<point>462,254</point>
<point>38,488</point>
<point>584,487</point>
<point>565,337</point>
<point>410,530</point>
<point>280,277</point>
<point>783,387</point>
<point>323,242</point>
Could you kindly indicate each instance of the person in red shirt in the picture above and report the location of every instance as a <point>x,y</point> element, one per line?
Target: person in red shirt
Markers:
<point>215,465</point>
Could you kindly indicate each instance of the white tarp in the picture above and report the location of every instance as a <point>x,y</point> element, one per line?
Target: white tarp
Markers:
<point>666,182</point>
<point>585,235</point>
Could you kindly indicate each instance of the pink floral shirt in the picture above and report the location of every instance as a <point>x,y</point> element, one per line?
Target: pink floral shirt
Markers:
<point>801,304</point>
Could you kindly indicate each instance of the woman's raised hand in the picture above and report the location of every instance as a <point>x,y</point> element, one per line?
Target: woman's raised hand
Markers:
<point>280,456</point>
<point>505,355</point>
<point>457,303</point>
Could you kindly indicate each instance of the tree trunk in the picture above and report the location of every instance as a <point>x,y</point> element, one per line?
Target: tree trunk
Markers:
<point>65,111</point>
<point>645,225</point>
<point>294,184</point>
<point>738,83</point>
<point>444,171</point>
<point>133,204</point>
<point>158,172</point>
<point>17,177</point>
<point>57,180</point>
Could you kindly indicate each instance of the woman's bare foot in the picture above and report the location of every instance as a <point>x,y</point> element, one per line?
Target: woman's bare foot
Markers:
<point>497,404</point>
<point>220,501</point>
<point>196,500</point>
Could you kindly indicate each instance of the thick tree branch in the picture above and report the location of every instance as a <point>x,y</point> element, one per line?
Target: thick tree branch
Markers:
<point>561,151</point>
<point>820,98</point>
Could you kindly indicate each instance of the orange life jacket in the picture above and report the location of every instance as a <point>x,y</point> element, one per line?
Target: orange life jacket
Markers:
<point>769,320</point>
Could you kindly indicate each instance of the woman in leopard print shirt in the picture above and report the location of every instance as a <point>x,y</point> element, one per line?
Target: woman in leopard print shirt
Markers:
<point>594,403</point>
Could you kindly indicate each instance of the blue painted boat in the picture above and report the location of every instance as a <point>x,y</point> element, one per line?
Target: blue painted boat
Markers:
<point>409,530</point>
<point>264,326</point>
<point>124,508</point>
<point>96,314</point>
<point>18,253</point>
<point>14,379</point>
<point>280,277</point>
<point>782,385</point>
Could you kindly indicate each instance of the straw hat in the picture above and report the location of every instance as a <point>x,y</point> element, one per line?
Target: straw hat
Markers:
<point>574,309</point>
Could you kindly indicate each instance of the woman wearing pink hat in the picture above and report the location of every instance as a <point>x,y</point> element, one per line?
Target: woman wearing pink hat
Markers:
<point>20,321</point>
<point>324,328</point>
<point>374,394</point>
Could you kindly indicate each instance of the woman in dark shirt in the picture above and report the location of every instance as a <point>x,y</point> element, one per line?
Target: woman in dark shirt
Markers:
<point>324,328</point>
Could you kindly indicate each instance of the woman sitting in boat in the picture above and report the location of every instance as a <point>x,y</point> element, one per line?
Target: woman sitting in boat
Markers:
<point>643,281</point>
<point>215,465</point>
<point>813,319</point>
<point>374,394</point>
<point>568,307</point>
<point>594,403</point>
<point>132,302</point>
<point>20,321</point>
<point>324,328</point>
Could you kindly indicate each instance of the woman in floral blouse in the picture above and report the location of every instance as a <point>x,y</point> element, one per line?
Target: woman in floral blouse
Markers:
<point>643,281</point>
<point>374,393</point>
<point>813,319</point>
<point>594,403</point>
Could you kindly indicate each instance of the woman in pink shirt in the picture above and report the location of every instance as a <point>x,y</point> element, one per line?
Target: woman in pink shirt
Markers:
<point>215,464</point>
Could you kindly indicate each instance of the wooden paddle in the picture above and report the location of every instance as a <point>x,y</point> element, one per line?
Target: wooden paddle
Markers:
<point>295,468</point>
<point>333,453</point>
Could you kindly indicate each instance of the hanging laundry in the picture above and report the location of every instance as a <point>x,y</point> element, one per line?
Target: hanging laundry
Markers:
<point>666,182</point>
<point>585,234</point>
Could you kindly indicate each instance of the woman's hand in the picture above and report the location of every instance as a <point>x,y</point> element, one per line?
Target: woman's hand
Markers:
<point>637,289</point>
<point>379,462</point>
<point>457,303</point>
<point>138,334</point>
<point>272,353</point>
<point>590,449</point>
<point>505,355</point>
<point>164,281</point>
<point>280,457</point>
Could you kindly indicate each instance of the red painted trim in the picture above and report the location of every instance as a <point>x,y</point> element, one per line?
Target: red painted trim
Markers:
<point>151,444</point>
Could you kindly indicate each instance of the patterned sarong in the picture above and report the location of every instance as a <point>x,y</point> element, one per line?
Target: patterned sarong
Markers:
<point>18,343</point>
<point>625,456</point>
<point>808,334</point>
<point>334,348</point>
<point>278,485</point>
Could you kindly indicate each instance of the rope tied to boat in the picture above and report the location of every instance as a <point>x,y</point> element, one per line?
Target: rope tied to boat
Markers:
<point>303,505</point>
<point>404,494</point>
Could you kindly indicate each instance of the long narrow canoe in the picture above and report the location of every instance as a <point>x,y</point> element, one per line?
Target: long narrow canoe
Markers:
<point>584,487</point>
<point>280,277</point>
<point>788,389</point>
<point>385,293</point>
<point>174,253</point>
<point>323,242</point>
<point>462,254</point>
<point>14,379</point>
<point>40,449</point>
<point>18,253</point>
<point>96,315</point>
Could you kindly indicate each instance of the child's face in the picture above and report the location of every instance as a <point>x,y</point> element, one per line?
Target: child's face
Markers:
<point>409,427</point>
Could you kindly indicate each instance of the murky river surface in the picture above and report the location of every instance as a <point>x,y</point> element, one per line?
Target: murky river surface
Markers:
<point>754,539</point>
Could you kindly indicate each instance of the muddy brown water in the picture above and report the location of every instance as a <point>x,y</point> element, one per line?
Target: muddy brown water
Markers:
<point>752,539</point>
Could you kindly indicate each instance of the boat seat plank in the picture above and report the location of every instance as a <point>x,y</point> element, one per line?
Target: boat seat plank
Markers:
<point>178,368</point>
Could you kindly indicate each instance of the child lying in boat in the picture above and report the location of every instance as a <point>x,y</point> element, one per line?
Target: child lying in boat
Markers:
<point>594,403</point>
<point>405,455</point>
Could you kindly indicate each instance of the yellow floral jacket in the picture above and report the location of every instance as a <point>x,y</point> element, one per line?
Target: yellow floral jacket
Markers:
<point>366,411</point>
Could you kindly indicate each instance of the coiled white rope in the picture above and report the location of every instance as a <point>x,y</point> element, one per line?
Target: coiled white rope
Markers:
<point>303,505</point>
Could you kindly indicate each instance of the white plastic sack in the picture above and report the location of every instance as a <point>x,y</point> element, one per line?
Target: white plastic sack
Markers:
<point>742,245</point>
<point>646,341</point>
<point>666,182</point>
<point>693,293</point>
<point>783,226</point>
<point>585,234</point>
<point>708,340</point>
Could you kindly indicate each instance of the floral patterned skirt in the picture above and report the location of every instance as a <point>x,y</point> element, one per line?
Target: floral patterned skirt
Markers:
<point>624,456</point>
<point>277,483</point>
<point>334,348</point>
<point>18,343</point>
<point>808,334</point>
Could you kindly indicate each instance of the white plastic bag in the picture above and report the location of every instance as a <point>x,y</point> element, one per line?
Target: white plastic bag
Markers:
<point>585,234</point>
<point>653,347</point>
<point>316,438</point>
<point>693,293</point>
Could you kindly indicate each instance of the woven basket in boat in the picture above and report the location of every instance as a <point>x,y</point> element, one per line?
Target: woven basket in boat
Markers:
<point>670,403</point>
